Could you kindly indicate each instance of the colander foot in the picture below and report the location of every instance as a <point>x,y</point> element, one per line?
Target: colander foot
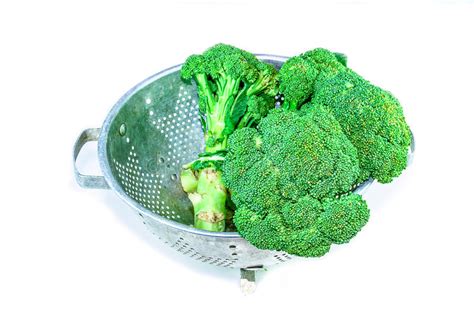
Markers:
<point>247,279</point>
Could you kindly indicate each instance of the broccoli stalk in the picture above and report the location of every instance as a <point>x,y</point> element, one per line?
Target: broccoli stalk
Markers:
<point>227,79</point>
<point>208,196</point>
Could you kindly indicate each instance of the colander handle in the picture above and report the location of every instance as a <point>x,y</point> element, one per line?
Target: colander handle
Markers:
<point>87,181</point>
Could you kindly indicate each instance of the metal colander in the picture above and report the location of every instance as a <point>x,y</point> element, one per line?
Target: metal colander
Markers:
<point>148,135</point>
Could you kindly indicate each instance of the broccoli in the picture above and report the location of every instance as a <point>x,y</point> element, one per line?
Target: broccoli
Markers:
<point>297,77</point>
<point>290,170</point>
<point>235,90</point>
<point>298,74</point>
<point>372,118</point>
<point>286,178</point>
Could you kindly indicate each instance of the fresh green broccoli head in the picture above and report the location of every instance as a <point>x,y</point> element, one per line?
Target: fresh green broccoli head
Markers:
<point>297,77</point>
<point>266,81</point>
<point>298,74</point>
<point>278,173</point>
<point>270,231</point>
<point>257,108</point>
<point>227,78</point>
<point>343,218</point>
<point>299,152</point>
<point>195,64</point>
<point>310,150</point>
<point>305,228</point>
<point>303,213</point>
<point>223,61</point>
<point>372,119</point>
<point>264,231</point>
<point>246,163</point>
<point>326,62</point>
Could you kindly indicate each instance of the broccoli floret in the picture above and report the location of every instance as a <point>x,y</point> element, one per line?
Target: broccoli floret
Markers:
<point>235,90</point>
<point>286,174</point>
<point>343,218</point>
<point>257,108</point>
<point>325,61</point>
<point>372,118</point>
<point>297,77</point>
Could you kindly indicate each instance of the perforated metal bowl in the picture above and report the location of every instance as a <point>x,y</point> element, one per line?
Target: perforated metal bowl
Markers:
<point>147,136</point>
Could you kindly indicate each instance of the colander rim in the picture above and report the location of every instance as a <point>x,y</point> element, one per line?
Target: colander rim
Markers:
<point>105,165</point>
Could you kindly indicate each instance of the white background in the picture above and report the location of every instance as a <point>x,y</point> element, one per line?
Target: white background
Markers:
<point>70,251</point>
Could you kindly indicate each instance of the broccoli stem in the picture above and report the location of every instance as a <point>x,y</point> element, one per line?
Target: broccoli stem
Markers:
<point>290,105</point>
<point>205,187</point>
<point>225,77</point>
<point>217,110</point>
<point>204,88</point>
<point>208,196</point>
<point>246,120</point>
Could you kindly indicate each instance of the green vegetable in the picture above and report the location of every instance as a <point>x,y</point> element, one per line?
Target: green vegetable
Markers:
<point>289,170</point>
<point>371,118</point>
<point>235,90</point>
<point>298,75</point>
<point>286,176</point>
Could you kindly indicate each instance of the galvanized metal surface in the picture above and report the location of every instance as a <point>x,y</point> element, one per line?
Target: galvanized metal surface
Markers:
<point>87,181</point>
<point>147,136</point>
